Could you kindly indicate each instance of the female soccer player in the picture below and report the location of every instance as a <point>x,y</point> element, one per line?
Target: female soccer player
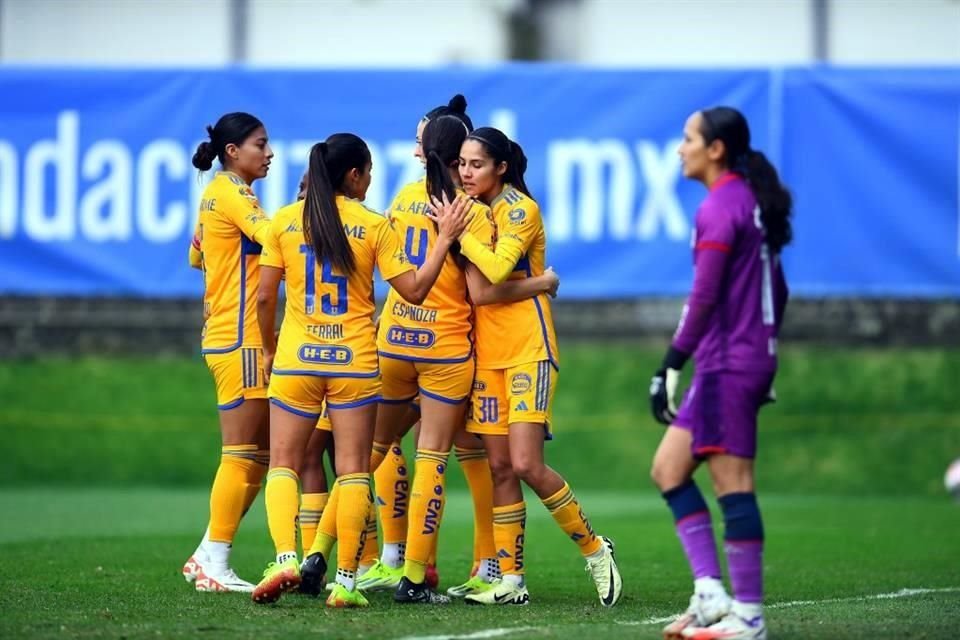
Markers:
<point>327,247</point>
<point>729,325</point>
<point>426,349</point>
<point>517,361</point>
<point>230,231</point>
<point>313,475</point>
<point>391,478</point>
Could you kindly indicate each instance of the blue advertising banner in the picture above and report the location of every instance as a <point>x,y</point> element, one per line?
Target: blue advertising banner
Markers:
<point>98,195</point>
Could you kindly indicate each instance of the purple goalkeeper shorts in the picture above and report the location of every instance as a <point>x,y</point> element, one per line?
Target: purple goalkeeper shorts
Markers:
<point>720,410</point>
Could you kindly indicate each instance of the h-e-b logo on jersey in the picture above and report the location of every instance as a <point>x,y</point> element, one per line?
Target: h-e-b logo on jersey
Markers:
<point>325,354</point>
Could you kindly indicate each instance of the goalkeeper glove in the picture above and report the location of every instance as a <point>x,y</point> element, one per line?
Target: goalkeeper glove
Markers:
<point>663,386</point>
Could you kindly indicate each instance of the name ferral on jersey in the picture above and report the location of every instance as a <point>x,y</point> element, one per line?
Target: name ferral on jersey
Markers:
<point>416,338</point>
<point>325,354</point>
<point>326,331</point>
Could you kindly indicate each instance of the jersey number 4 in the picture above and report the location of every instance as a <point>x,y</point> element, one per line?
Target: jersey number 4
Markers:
<point>326,277</point>
<point>419,255</point>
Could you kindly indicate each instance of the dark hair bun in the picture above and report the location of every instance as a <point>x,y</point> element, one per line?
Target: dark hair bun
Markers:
<point>458,104</point>
<point>203,158</point>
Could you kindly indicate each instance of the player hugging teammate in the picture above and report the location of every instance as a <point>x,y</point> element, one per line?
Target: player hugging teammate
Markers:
<point>466,334</point>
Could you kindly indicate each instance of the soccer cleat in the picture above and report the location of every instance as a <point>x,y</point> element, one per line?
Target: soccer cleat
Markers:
<point>706,608</point>
<point>313,575</point>
<point>500,592</point>
<point>224,582</point>
<point>380,577</point>
<point>605,574</point>
<point>731,627</point>
<point>193,566</point>
<point>475,584</point>
<point>412,593</point>
<point>340,598</point>
<point>433,578</point>
<point>277,578</point>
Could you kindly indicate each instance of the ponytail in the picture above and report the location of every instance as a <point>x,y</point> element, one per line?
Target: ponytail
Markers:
<point>205,154</point>
<point>231,128</point>
<point>442,139</point>
<point>730,126</point>
<point>439,182</point>
<point>774,200</point>
<point>322,227</point>
<point>516,168</point>
<point>457,107</point>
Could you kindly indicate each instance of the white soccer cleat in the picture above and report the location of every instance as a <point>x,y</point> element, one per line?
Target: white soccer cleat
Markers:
<point>606,575</point>
<point>731,627</point>
<point>193,566</point>
<point>706,608</point>
<point>225,582</point>
<point>500,592</point>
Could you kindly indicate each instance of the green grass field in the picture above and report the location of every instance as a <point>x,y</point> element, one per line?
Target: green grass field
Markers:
<point>103,496</point>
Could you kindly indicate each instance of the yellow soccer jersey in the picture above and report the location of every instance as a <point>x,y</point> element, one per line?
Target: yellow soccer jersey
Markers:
<point>517,332</point>
<point>230,221</point>
<point>328,325</point>
<point>440,329</point>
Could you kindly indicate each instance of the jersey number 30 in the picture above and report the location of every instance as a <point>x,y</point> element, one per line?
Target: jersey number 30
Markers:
<point>327,277</point>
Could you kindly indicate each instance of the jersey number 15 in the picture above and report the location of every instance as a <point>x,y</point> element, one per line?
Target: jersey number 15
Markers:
<point>327,277</point>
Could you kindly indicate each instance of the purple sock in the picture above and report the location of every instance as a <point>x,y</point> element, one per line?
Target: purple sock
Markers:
<point>694,529</point>
<point>743,544</point>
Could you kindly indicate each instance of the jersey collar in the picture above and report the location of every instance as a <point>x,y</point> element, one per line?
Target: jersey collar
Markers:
<point>729,176</point>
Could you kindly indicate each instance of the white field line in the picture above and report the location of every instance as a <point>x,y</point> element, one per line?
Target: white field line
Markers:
<point>902,593</point>
<point>476,635</point>
<point>505,631</point>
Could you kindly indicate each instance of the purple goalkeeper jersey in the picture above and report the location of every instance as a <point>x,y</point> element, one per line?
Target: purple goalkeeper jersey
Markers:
<point>733,314</point>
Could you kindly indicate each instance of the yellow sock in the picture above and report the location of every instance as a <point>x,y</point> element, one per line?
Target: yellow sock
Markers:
<point>432,560</point>
<point>426,510</point>
<point>393,495</point>
<point>476,469</point>
<point>565,509</point>
<point>377,455</point>
<point>509,524</point>
<point>255,478</point>
<point>352,511</point>
<point>327,527</point>
<point>229,492</point>
<point>311,508</point>
<point>371,546</point>
<point>283,504</point>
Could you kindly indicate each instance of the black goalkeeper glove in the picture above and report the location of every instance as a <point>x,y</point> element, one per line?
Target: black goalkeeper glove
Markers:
<point>663,386</point>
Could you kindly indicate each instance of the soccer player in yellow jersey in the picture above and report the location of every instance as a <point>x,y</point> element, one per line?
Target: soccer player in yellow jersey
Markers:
<point>391,475</point>
<point>517,363</point>
<point>327,247</point>
<point>313,477</point>
<point>226,246</point>
<point>427,349</point>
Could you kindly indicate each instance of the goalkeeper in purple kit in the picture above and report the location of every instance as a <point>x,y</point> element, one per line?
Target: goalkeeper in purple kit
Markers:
<point>729,326</point>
